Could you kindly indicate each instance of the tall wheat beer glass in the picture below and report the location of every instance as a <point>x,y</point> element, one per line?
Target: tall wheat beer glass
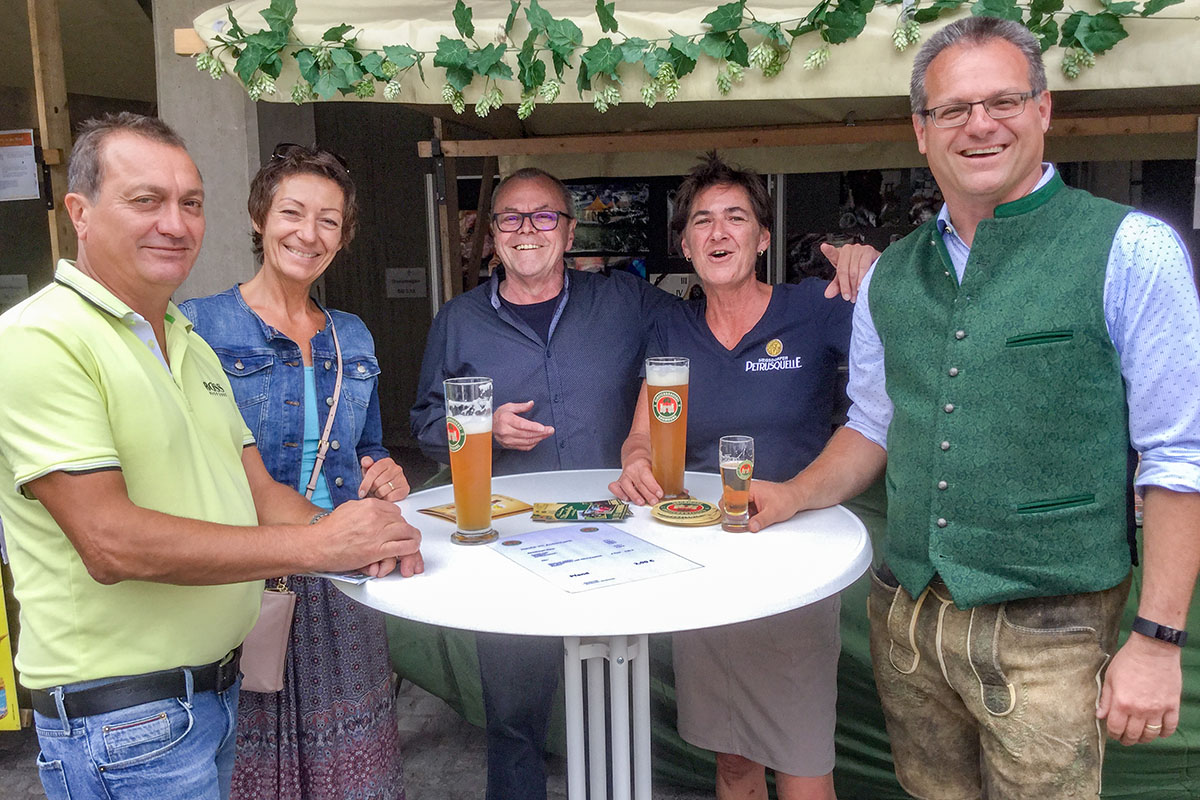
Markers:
<point>667,388</point>
<point>735,455</point>
<point>469,432</point>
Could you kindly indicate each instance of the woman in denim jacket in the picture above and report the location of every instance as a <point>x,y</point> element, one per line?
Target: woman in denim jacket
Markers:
<point>331,732</point>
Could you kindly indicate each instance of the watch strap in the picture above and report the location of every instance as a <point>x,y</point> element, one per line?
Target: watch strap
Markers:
<point>1164,633</point>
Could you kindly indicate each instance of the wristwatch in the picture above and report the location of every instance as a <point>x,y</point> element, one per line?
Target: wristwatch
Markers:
<point>1163,633</point>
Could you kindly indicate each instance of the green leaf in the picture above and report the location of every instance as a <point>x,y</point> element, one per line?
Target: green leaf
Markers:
<point>727,17</point>
<point>655,58</point>
<point>342,57</point>
<point>1069,26</point>
<point>1099,32</point>
<point>1155,6</point>
<point>270,40</point>
<point>561,62</point>
<point>451,53</point>
<point>459,77</point>
<point>531,70</point>
<point>845,22</point>
<point>462,19</point>
<point>512,16</point>
<point>1043,8</point>
<point>1120,9</point>
<point>327,85</point>
<point>401,55</point>
<point>773,31</point>
<point>563,33</point>
<point>583,81</point>
<point>608,22</point>
<point>739,53</point>
<point>235,29</point>
<point>633,49</point>
<point>280,15</point>
<point>539,18</point>
<point>272,66</point>
<point>682,62</point>
<point>307,62</point>
<point>1047,33</point>
<point>1004,9</point>
<point>249,61</point>
<point>602,58</point>
<point>685,46</point>
<point>335,33</point>
<point>716,45</point>
<point>809,27</point>
<point>373,63</point>
<point>484,59</point>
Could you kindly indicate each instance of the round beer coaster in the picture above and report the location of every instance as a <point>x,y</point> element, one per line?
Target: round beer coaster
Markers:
<point>686,511</point>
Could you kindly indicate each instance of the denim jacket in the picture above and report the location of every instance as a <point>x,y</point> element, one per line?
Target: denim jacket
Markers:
<point>267,375</point>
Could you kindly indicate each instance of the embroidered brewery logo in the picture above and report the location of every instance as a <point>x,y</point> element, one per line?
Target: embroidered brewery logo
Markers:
<point>667,406</point>
<point>215,389</point>
<point>774,360</point>
<point>455,434</point>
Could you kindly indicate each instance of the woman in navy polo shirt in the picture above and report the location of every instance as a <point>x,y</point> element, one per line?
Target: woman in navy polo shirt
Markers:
<point>764,363</point>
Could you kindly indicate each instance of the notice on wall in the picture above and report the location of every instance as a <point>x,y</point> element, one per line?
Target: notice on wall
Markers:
<point>18,167</point>
<point>576,558</point>
<point>13,289</point>
<point>407,282</point>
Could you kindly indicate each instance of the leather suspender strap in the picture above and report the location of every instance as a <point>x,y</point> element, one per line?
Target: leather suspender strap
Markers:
<point>323,446</point>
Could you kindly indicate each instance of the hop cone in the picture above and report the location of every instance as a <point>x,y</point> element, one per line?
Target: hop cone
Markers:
<point>549,91</point>
<point>650,93</point>
<point>724,82</point>
<point>388,69</point>
<point>392,90</point>
<point>301,93</point>
<point>528,103</point>
<point>817,58</point>
<point>365,88</point>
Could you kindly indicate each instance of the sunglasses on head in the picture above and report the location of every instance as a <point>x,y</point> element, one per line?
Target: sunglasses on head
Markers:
<point>285,149</point>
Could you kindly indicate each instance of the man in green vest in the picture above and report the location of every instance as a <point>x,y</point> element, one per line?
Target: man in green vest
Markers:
<point>1010,358</point>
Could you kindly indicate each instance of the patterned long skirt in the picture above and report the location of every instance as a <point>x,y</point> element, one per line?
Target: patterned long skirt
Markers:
<point>330,734</point>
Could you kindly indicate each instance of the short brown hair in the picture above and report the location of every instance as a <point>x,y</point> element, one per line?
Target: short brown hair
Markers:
<point>299,160</point>
<point>715,171</point>
<point>85,172</point>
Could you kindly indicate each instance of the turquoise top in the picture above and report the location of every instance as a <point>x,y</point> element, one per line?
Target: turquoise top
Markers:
<point>312,439</point>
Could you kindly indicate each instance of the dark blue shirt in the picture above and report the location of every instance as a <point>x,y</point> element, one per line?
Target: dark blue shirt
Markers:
<point>537,316</point>
<point>583,381</point>
<point>779,384</point>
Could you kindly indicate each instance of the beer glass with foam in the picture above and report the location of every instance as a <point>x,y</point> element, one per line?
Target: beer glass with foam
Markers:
<point>735,455</point>
<point>469,433</point>
<point>667,390</point>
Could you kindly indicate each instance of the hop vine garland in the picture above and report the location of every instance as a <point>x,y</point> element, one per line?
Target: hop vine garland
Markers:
<point>732,36</point>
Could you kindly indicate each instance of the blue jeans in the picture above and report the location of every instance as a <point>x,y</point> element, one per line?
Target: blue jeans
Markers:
<point>520,677</point>
<point>178,748</point>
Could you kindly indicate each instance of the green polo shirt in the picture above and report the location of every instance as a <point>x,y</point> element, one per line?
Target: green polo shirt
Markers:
<point>85,393</point>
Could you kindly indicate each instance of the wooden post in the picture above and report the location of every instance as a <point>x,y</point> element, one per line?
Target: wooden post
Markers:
<point>483,215</point>
<point>446,186</point>
<point>53,120</point>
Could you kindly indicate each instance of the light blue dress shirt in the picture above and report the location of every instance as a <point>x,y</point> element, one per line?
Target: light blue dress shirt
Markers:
<point>1152,313</point>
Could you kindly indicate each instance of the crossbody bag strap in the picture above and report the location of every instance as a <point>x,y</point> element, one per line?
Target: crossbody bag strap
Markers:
<point>323,446</point>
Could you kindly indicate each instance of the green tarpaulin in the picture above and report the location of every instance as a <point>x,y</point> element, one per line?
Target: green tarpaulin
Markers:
<point>443,662</point>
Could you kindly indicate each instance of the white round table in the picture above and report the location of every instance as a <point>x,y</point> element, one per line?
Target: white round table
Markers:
<point>743,576</point>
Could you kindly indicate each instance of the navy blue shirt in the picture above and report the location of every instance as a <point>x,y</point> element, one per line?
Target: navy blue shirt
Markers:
<point>583,380</point>
<point>537,316</point>
<point>778,384</point>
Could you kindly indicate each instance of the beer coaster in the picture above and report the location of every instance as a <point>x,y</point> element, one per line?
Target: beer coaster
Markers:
<point>686,511</point>
<point>502,506</point>
<point>595,510</point>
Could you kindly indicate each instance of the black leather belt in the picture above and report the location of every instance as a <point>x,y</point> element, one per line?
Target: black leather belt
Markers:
<point>137,689</point>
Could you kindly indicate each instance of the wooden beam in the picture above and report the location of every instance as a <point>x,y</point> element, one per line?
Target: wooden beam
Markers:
<point>787,136</point>
<point>483,216</point>
<point>188,42</point>
<point>446,186</point>
<point>50,87</point>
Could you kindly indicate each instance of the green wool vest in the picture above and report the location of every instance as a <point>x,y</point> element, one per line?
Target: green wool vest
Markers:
<point>1008,450</point>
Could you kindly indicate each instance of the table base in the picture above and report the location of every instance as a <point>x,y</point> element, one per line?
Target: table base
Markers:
<point>628,747</point>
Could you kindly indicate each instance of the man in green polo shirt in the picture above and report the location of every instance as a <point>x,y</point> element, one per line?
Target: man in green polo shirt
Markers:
<point>139,516</point>
<point>1008,359</point>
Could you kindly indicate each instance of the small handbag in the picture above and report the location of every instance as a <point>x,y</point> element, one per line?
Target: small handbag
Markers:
<point>264,653</point>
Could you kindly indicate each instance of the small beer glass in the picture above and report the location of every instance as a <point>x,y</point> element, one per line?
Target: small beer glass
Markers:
<point>469,433</point>
<point>667,391</point>
<point>735,455</point>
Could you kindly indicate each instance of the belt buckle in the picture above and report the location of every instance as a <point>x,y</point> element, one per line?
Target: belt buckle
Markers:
<point>228,669</point>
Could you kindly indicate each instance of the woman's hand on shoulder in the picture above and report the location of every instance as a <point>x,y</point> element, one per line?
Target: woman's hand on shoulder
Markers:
<point>383,479</point>
<point>852,262</point>
<point>636,484</point>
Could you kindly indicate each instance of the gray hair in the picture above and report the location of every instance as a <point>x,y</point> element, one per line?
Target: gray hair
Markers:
<point>85,172</point>
<point>976,31</point>
<point>533,174</point>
